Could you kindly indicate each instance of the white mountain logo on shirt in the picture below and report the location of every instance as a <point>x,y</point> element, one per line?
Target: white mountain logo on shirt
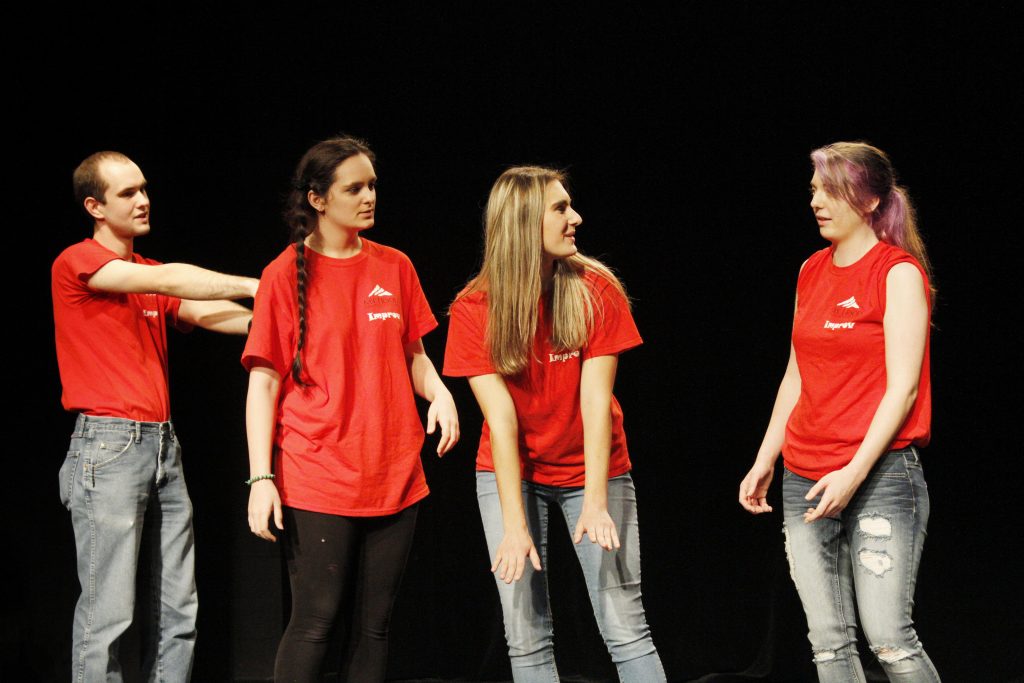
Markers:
<point>849,303</point>
<point>379,291</point>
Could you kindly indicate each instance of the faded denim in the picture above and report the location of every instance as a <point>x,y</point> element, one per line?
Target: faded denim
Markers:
<point>123,483</point>
<point>613,583</point>
<point>863,566</point>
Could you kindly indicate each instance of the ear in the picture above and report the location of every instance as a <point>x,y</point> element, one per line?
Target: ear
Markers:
<point>873,204</point>
<point>93,207</point>
<point>316,201</point>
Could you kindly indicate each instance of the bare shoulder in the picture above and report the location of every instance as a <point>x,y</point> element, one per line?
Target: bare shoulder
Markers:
<point>904,274</point>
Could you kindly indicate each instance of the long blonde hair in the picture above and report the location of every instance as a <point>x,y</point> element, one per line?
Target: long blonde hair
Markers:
<point>511,273</point>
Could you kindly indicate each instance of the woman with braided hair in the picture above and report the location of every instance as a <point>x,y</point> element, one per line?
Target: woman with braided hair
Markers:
<point>335,356</point>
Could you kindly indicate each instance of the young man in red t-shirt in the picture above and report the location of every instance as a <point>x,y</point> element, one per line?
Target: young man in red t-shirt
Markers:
<point>122,479</point>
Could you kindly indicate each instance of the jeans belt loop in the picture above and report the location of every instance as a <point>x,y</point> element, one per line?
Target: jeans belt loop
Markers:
<point>138,432</point>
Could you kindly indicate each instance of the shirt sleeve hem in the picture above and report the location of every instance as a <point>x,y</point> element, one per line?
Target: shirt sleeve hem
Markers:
<point>612,349</point>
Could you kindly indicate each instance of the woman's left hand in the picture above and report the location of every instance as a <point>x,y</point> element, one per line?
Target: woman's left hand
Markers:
<point>442,412</point>
<point>597,524</point>
<point>836,489</point>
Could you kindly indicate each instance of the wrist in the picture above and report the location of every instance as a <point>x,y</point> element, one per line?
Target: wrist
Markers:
<point>440,393</point>
<point>516,529</point>
<point>259,479</point>
<point>859,474</point>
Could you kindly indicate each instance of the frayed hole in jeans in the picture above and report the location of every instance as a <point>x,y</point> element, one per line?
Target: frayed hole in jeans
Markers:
<point>876,562</point>
<point>789,554</point>
<point>890,655</point>
<point>874,525</point>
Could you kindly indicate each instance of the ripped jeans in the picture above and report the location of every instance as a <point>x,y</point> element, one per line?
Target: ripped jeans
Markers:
<point>863,564</point>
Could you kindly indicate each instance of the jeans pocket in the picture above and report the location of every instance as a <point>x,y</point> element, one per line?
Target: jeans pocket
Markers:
<point>108,447</point>
<point>67,477</point>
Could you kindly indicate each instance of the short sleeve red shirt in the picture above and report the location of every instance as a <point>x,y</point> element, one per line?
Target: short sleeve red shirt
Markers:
<point>839,340</point>
<point>547,394</point>
<point>111,348</point>
<point>348,444</point>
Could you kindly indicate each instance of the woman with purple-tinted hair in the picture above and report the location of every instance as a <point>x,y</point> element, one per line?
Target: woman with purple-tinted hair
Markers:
<point>853,407</point>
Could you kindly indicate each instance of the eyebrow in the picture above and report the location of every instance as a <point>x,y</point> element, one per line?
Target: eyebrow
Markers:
<point>561,203</point>
<point>132,189</point>
<point>357,183</point>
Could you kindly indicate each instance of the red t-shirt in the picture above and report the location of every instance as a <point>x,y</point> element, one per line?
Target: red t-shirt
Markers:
<point>350,443</point>
<point>840,351</point>
<point>111,348</point>
<point>547,394</point>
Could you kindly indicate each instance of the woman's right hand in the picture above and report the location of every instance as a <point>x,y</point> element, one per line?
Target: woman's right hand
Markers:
<point>754,488</point>
<point>510,560</point>
<point>264,501</point>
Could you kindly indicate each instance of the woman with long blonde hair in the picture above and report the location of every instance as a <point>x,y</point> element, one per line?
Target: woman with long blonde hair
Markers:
<point>538,332</point>
<point>852,410</point>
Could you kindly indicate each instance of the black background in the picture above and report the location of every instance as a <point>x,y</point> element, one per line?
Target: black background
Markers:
<point>686,133</point>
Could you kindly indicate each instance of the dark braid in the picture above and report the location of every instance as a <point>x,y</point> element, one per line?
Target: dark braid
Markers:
<point>302,279</point>
<point>315,173</point>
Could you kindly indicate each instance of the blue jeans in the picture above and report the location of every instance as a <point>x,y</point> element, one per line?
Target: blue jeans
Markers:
<point>613,582</point>
<point>123,483</point>
<point>862,564</point>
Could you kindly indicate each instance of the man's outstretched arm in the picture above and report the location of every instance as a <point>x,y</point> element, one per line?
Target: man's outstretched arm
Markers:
<point>219,315</point>
<point>173,279</point>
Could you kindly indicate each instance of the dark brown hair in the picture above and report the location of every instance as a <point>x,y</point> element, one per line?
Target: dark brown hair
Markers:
<point>315,173</point>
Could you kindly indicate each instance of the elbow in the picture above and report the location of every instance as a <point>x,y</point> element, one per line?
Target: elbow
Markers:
<point>595,406</point>
<point>905,396</point>
<point>504,428</point>
<point>162,281</point>
<point>911,397</point>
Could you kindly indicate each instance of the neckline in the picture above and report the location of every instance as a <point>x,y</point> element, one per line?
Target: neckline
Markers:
<point>333,261</point>
<point>848,268</point>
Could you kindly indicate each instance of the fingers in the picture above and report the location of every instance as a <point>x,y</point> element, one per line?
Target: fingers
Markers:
<point>602,533</point>
<point>508,567</point>
<point>577,535</point>
<point>816,490</point>
<point>520,567</point>
<point>814,514</point>
<point>259,520</point>
<point>449,431</point>
<point>449,437</point>
<point>827,507</point>
<point>756,505</point>
<point>432,420</point>
<point>278,515</point>
<point>535,557</point>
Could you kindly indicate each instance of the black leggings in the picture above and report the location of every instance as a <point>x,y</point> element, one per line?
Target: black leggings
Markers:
<point>330,556</point>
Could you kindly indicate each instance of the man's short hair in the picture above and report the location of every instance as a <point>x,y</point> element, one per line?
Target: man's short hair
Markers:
<point>87,180</point>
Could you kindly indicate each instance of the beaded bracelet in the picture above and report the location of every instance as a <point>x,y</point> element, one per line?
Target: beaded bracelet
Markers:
<point>250,481</point>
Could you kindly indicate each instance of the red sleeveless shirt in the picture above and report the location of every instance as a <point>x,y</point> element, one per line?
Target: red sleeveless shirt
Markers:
<point>840,351</point>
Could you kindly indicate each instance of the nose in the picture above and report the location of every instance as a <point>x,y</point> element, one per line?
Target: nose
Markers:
<point>574,218</point>
<point>816,200</point>
<point>143,198</point>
